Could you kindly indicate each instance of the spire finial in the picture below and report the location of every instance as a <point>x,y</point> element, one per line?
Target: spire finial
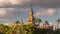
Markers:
<point>31,5</point>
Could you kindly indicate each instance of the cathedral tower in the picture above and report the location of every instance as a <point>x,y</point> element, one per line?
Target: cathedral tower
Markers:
<point>21,21</point>
<point>30,18</point>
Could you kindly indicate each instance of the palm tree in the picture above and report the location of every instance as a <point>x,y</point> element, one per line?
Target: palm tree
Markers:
<point>37,20</point>
<point>58,20</point>
<point>17,22</point>
<point>46,22</point>
<point>1,28</point>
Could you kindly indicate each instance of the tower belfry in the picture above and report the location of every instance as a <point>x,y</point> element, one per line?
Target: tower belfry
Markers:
<point>30,18</point>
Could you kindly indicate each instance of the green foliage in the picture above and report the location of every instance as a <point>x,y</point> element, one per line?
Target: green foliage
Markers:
<point>17,22</point>
<point>6,29</point>
<point>29,28</point>
<point>57,31</point>
<point>58,20</point>
<point>37,20</point>
<point>46,22</point>
<point>1,28</point>
<point>24,29</point>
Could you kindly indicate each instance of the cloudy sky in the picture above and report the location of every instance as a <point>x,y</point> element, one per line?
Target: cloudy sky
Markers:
<point>11,10</point>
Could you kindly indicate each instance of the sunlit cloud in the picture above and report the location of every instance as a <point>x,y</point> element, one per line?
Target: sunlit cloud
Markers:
<point>51,12</point>
<point>11,14</point>
<point>13,2</point>
<point>47,12</point>
<point>2,11</point>
<point>59,12</point>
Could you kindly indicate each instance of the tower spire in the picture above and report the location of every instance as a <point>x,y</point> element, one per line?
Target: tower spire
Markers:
<point>31,10</point>
<point>30,18</point>
<point>31,6</point>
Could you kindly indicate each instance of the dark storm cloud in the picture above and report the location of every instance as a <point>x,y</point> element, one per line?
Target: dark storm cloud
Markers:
<point>45,3</point>
<point>41,3</point>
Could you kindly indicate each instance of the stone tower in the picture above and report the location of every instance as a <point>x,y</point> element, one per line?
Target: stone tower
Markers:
<point>30,18</point>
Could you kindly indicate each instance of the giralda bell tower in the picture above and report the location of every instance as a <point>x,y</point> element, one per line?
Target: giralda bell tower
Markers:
<point>30,18</point>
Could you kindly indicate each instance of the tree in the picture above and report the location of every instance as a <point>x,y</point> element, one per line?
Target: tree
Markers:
<point>17,22</point>
<point>29,28</point>
<point>1,28</point>
<point>6,29</point>
<point>58,20</point>
<point>46,22</point>
<point>37,20</point>
<point>57,31</point>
